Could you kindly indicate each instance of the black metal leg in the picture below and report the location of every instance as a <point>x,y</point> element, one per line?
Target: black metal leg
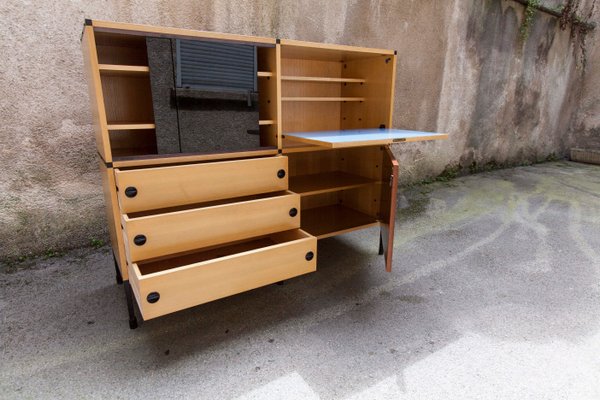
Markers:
<point>380,244</point>
<point>117,270</point>
<point>130,306</point>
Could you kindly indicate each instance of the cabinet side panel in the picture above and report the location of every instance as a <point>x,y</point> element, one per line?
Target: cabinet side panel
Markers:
<point>90,59</point>
<point>378,91</point>
<point>113,217</point>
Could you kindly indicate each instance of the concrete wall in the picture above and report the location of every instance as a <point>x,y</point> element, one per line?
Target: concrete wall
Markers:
<point>462,70</point>
<point>586,124</point>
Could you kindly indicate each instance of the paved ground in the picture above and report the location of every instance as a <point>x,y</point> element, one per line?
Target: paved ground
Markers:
<point>495,294</point>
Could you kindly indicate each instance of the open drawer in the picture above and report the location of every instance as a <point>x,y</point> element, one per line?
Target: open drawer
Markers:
<point>150,235</point>
<point>154,188</point>
<point>172,284</point>
<point>361,137</point>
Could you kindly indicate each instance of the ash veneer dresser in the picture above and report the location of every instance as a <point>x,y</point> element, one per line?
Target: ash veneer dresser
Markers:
<point>224,158</point>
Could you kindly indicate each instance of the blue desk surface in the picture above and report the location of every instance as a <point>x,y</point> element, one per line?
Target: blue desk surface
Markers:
<point>362,137</point>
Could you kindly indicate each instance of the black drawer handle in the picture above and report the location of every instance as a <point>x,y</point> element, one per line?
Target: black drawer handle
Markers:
<point>139,240</point>
<point>281,174</point>
<point>293,212</point>
<point>309,256</point>
<point>153,297</point>
<point>130,191</point>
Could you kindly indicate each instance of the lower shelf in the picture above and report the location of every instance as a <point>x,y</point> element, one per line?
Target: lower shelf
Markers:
<point>334,220</point>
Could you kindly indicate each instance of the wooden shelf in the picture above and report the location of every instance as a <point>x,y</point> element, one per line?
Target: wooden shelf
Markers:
<point>322,79</point>
<point>322,99</point>
<point>129,126</point>
<point>325,182</point>
<point>266,122</point>
<point>264,74</point>
<point>113,69</point>
<point>334,220</point>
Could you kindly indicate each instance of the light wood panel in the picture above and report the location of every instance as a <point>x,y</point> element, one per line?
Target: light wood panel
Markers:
<point>322,79</point>
<point>117,49</point>
<point>324,182</point>
<point>299,116</point>
<point>124,28</point>
<point>377,108</point>
<point>129,127</point>
<point>113,217</point>
<point>325,51</point>
<point>163,187</point>
<point>388,209</point>
<point>90,59</point>
<point>310,163</point>
<point>208,226</point>
<point>227,275</point>
<point>183,158</point>
<point>113,69</point>
<point>319,99</point>
<point>128,99</point>
<point>269,100</point>
<point>130,142</point>
<point>334,220</point>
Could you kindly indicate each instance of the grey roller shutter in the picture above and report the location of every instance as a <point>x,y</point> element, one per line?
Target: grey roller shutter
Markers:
<point>216,66</point>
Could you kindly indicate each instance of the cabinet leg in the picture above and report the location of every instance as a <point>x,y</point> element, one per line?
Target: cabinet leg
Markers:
<point>117,270</point>
<point>380,244</point>
<point>130,306</point>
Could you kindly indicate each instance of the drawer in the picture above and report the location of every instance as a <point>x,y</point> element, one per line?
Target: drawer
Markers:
<point>169,285</point>
<point>155,188</point>
<point>155,235</point>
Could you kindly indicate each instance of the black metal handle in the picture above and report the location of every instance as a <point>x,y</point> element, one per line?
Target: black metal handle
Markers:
<point>293,212</point>
<point>139,240</point>
<point>130,191</point>
<point>153,297</point>
<point>281,173</point>
<point>309,256</point>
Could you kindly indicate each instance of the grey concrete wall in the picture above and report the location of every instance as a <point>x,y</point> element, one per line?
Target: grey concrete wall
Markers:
<point>461,69</point>
<point>586,124</point>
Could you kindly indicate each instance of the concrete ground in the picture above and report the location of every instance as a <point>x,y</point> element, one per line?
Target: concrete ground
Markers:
<point>495,294</point>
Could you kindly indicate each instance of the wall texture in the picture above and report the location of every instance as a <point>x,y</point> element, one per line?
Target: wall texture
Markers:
<point>462,69</point>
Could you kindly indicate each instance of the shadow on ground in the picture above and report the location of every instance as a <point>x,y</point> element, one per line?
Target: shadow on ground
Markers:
<point>495,293</point>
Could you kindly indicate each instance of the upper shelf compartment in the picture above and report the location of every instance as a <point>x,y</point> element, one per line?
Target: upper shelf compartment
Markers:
<point>362,137</point>
<point>118,49</point>
<point>327,52</point>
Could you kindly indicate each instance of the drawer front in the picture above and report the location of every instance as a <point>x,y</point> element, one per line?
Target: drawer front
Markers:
<point>165,234</point>
<point>167,291</point>
<point>155,188</point>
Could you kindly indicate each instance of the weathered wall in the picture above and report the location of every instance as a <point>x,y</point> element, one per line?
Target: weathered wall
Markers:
<point>586,125</point>
<point>461,69</point>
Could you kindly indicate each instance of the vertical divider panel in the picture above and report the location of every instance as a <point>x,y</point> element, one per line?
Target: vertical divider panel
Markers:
<point>269,96</point>
<point>90,59</point>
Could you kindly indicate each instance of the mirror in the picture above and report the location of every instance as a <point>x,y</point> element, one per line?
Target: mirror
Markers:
<point>205,95</point>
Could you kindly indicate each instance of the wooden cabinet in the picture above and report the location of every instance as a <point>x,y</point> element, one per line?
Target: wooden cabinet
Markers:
<point>289,144</point>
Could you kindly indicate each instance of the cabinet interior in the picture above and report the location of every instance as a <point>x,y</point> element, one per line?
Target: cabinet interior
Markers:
<point>329,90</point>
<point>340,189</point>
<point>125,76</point>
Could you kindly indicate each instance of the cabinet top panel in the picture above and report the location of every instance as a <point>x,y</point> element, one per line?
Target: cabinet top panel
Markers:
<point>149,30</point>
<point>362,137</point>
<point>298,49</point>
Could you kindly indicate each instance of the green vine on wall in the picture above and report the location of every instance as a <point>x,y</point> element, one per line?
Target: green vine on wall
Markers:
<point>530,9</point>
<point>570,15</point>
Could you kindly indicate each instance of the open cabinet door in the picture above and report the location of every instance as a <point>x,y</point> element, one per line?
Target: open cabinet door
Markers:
<point>389,188</point>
